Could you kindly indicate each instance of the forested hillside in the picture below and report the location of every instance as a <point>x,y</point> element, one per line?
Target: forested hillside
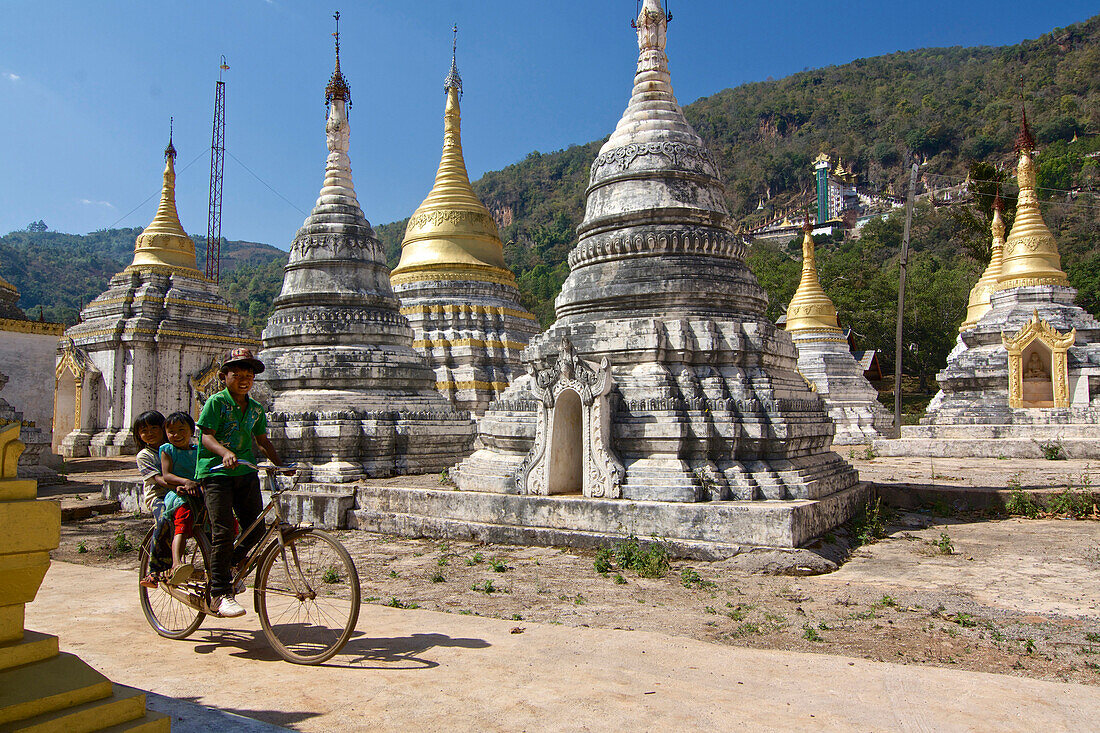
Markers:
<point>955,110</point>
<point>61,272</point>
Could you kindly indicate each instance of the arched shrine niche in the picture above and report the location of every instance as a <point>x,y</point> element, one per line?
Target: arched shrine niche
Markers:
<point>1038,372</point>
<point>572,450</point>
<point>73,398</point>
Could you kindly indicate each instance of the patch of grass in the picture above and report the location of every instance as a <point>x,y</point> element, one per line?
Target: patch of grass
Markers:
<point>710,609</point>
<point>517,617</point>
<point>965,620</point>
<point>81,547</point>
<point>1020,504</point>
<point>652,560</point>
<point>475,559</point>
<point>738,612</point>
<point>445,478</point>
<point>371,599</point>
<point>619,579</point>
<point>443,560</point>
<point>1053,451</point>
<point>580,600</point>
<point>869,453</point>
<point>498,565</point>
<point>437,577</point>
<point>1073,503</point>
<point>393,573</point>
<point>869,523</point>
<point>395,602</point>
<point>809,633</point>
<point>691,579</point>
<point>330,576</point>
<point>747,629</point>
<point>943,544</point>
<point>1029,646</point>
<point>466,612</point>
<point>487,588</point>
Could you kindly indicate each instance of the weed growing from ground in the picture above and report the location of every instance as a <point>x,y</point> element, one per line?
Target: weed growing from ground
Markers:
<point>1078,504</point>
<point>393,573</point>
<point>437,577</point>
<point>747,629</point>
<point>487,588</point>
<point>869,523</point>
<point>1020,504</point>
<point>886,601</point>
<point>120,543</point>
<point>395,602</point>
<point>498,565</point>
<point>943,544</point>
<point>477,558</point>
<point>869,453</point>
<point>809,633</point>
<point>81,547</point>
<point>651,561</point>
<point>691,579</point>
<point>602,563</point>
<point>330,576</point>
<point>619,579</point>
<point>517,617</point>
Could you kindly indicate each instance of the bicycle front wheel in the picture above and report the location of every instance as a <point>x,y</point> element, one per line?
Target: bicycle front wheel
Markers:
<point>174,612</point>
<point>307,596</point>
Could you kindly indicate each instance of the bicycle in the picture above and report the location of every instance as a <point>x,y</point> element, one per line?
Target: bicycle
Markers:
<point>306,591</point>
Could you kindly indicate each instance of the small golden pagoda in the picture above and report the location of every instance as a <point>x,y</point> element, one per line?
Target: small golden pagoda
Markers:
<point>460,298</point>
<point>983,289</point>
<point>1030,252</point>
<point>452,235</point>
<point>810,308</point>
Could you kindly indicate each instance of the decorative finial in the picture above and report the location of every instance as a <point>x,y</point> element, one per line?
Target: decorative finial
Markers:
<point>634,21</point>
<point>170,151</point>
<point>1025,143</point>
<point>453,81</point>
<point>998,202</point>
<point>337,85</point>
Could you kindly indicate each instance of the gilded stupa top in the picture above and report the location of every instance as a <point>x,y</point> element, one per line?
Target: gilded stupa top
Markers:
<point>979,303</point>
<point>810,308</point>
<point>1030,252</point>
<point>164,244</point>
<point>452,235</point>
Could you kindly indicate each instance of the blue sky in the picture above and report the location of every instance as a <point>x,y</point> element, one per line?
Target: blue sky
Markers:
<point>87,89</point>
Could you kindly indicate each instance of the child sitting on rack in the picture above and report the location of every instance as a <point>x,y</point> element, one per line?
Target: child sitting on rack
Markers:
<point>177,463</point>
<point>148,432</point>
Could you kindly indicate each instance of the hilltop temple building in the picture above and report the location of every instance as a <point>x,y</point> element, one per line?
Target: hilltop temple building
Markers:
<point>825,360</point>
<point>152,340</point>
<point>459,296</point>
<point>1024,380</point>
<point>662,402</point>
<point>351,397</point>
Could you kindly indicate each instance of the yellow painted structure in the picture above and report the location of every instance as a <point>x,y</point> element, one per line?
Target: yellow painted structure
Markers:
<point>810,309</point>
<point>41,688</point>
<point>1030,252</point>
<point>979,303</point>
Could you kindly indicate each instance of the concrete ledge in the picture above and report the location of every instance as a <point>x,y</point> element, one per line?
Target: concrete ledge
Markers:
<point>318,505</point>
<point>129,493</point>
<point>703,530</point>
<point>987,447</point>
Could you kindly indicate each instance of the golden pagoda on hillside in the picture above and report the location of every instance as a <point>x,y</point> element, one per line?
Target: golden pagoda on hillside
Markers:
<point>978,305</point>
<point>454,287</point>
<point>1023,379</point>
<point>152,340</point>
<point>826,362</point>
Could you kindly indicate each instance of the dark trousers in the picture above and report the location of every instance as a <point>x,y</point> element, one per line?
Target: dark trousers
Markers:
<point>226,495</point>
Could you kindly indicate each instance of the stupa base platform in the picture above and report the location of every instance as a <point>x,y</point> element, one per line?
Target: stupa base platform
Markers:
<point>994,441</point>
<point>701,530</point>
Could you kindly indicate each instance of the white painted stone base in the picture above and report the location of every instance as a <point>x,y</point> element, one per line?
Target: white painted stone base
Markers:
<point>705,530</point>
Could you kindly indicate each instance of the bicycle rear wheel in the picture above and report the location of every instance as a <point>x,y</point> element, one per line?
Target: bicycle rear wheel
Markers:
<point>173,612</point>
<point>307,596</point>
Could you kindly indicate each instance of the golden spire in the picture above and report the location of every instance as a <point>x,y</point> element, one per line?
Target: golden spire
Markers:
<point>337,85</point>
<point>980,294</point>
<point>164,243</point>
<point>452,236</point>
<point>1030,252</point>
<point>810,308</point>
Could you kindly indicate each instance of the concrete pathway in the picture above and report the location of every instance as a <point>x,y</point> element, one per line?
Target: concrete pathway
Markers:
<point>422,670</point>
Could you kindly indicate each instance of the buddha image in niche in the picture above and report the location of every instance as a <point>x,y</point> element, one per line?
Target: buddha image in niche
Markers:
<point>1035,368</point>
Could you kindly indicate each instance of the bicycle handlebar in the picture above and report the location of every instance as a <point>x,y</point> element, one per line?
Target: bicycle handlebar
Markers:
<point>285,470</point>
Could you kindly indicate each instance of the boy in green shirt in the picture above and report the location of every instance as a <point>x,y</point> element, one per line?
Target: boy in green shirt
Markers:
<point>229,421</point>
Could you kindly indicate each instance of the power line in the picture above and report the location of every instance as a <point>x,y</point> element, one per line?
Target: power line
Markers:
<point>269,187</point>
<point>121,218</point>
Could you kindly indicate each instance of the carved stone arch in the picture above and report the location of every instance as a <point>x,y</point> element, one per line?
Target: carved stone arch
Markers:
<point>549,467</point>
<point>74,381</point>
<point>1049,342</point>
<point>204,383</point>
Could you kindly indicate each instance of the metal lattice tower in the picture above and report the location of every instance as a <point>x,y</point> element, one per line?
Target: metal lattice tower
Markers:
<point>217,165</point>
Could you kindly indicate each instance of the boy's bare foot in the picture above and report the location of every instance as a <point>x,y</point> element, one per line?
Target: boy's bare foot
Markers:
<point>152,580</point>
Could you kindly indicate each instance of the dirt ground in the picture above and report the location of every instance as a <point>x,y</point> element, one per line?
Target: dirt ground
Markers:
<point>1011,596</point>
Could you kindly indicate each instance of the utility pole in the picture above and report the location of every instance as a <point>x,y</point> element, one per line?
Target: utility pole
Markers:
<point>217,165</point>
<point>901,297</point>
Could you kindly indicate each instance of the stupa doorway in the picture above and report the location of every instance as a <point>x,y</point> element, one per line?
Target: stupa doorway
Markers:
<point>566,445</point>
<point>1038,389</point>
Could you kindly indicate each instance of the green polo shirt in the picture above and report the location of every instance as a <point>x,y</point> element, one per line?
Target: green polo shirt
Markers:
<point>222,418</point>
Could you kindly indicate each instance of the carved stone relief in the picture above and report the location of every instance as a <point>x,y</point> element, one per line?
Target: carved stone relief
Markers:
<point>601,471</point>
<point>1019,372</point>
